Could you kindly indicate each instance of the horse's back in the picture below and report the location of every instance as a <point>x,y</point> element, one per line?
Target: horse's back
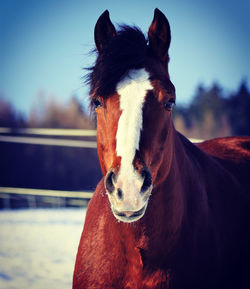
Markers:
<point>235,149</point>
<point>233,154</point>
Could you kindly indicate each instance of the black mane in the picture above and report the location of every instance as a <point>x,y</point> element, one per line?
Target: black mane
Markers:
<point>127,50</point>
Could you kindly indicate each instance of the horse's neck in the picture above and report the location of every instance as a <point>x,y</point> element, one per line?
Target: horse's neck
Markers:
<point>207,191</point>
<point>182,194</point>
<point>193,170</point>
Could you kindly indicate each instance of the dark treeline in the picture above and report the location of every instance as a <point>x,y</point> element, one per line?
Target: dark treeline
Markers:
<point>9,117</point>
<point>212,113</point>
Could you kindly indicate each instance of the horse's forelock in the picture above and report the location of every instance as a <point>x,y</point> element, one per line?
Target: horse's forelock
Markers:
<point>126,51</point>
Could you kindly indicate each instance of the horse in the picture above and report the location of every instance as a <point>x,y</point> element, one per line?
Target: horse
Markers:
<point>168,213</point>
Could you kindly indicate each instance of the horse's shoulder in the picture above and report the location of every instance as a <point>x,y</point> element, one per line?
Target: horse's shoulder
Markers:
<point>96,206</point>
<point>236,149</point>
<point>92,258</point>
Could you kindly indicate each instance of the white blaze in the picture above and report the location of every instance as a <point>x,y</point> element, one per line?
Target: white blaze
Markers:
<point>132,90</point>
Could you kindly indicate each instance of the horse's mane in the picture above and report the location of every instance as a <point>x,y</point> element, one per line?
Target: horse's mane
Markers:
<point>127,50</point>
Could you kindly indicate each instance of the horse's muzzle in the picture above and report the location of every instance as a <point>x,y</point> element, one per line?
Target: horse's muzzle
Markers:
<point>129,194</point>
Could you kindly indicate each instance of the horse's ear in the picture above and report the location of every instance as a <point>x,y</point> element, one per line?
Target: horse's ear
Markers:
<point>104,31</point>
<point>159,36</point>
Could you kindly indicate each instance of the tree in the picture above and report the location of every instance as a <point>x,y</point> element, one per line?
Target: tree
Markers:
<point>207,115</point>
<point>239,111</point>
<point>55,114</point>
<point>8,115</point>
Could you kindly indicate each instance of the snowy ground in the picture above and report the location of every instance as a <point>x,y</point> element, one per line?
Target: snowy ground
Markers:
<point>38,247</point>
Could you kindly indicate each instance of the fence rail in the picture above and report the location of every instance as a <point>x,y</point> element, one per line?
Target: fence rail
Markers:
<point>35,197</point>
<point>49,141</point>
<point>47,193</point>
<point>50,131</point>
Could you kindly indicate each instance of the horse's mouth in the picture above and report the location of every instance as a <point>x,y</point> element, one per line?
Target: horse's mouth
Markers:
<point>133,217</point>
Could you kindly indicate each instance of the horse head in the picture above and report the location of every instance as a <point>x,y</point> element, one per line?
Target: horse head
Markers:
<point>133,97</point>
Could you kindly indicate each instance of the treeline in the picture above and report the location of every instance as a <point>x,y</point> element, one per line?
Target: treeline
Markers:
<point>55,114</point>
<point>47,113</point>
<point>213,113</point>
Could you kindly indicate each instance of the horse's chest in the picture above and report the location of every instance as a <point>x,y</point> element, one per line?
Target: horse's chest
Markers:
<point>144,279</point>
<point>136,276</point>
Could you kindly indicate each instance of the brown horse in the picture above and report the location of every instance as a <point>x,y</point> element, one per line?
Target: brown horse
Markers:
<point>168,213</point>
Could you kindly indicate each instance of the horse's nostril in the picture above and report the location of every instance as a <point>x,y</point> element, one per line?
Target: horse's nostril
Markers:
<point>146,174</point>
<point>109,179</point>
<point>120,194</point>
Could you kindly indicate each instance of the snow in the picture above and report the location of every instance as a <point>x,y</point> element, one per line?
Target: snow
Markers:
<point>38,247</point>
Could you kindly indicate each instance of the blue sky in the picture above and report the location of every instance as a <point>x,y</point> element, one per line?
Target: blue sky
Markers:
<point>44,44</point>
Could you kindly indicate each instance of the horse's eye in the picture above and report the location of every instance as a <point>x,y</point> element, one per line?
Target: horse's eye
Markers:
<point>170,104</point>
<point>97,103</point>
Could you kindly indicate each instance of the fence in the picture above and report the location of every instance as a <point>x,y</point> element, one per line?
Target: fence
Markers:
<point>52,197</point>
<point>49,197</point>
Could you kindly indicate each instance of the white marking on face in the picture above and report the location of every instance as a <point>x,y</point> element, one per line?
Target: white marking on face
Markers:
<point>132,90</point>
